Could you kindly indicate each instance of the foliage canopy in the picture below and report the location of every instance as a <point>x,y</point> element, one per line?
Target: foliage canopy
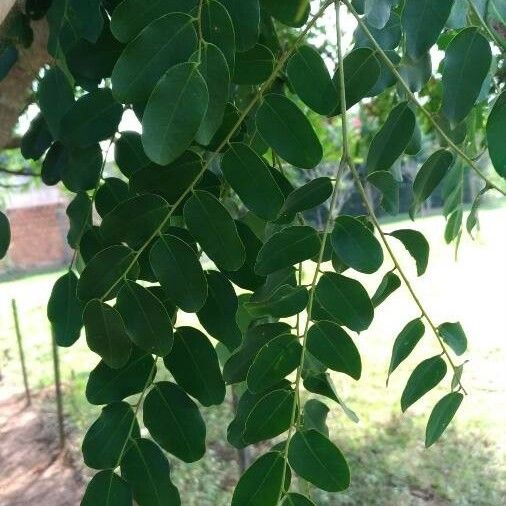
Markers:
<point>229,94</point>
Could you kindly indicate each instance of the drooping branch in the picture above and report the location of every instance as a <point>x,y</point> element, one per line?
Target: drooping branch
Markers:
<point>458,151</point>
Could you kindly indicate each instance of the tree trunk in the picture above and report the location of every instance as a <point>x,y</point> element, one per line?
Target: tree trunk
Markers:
<point>16,88</point>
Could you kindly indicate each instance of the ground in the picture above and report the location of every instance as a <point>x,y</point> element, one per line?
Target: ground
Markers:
<point>34,469</point>
<point>389,464</point>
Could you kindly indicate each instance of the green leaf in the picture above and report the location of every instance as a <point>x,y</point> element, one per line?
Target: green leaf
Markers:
<point>422,22</point>
<point>275,360</point>
<point>65,310</point>
<point>216,73</point>
<point>103,274</point>
<point>294,499</point>
<point>8,57</point>
<point>171,181</point>
<point>268,471</point>
<point>384,181</point>
<point>283,302</point>
<point>218,314</point>
<point>310,79</point>
<point>130,17</point>
<point>178,270</point>
<point>454,336</point>
<point>236,367</point>
<point>356,245</point>
<point>135,75</point>
<point>213,227</point>
<point>496,125</point>
<point>317,460</point>
<point>392,139</point>
<point>106,334</point>
<point>53,164</point>
<point>387,37</point>
<point>346,300</point>
<point>240,166</point>
<point>112,192</point>
<point>174,422</point>
<point>107,489</point>
<point>315,416</point>
<point>82,169</point>
<point>5,235</point>
<point>55,96</point>
<point>287,247</point>
<point>466,65</point>
<point>106,385</point>
<point>307,196</point>
<point>93,118</point>
<point>289,12</point>
<point>108,437</point>
<point>285,128</point>
<point>194,364</point>
<point>332,346</point>
<point>454,225</point>
<point>416,245</point>
<point>405,343</point>
<point>361,72</point>
<point>270,416</point>
<point>129,154</point>
<point>388,285</point>
<point>429,176</point>
<point>245,15</point>
<point>253,66</point>
<point>441,416</point>
<point>427,375</point>
<point>146,320</point>
<point>36,140</point>
<point>174,113</point>
<point>377,12</point>
<point>135,220</point>
<point>79,214</point>
<point>218,29</point>
<point>89,61</point>
<point>147,471</point>
<point>416,73</point>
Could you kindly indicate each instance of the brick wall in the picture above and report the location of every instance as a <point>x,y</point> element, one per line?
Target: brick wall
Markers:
<point>38,237</point>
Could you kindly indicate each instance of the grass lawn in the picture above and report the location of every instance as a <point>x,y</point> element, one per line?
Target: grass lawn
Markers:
<point>389,464</point>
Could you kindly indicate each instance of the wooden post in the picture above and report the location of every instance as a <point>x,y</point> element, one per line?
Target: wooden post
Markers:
<point>58,392</point>
<point>21,351</point>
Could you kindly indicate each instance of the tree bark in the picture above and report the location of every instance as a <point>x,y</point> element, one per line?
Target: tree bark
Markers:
<point>16,88</point>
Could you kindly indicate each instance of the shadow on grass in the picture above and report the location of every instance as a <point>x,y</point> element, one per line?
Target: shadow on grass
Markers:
<point>391,467</point>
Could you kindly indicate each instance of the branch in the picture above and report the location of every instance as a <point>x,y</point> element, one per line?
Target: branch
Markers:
<point>20,172</point>
<point>372,215</point>
<point>413,98</point>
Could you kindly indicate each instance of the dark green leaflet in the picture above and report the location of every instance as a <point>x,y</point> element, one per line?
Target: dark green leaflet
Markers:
<point>174,421</point>
<point>183,96</point>
<point>424,378</point>
<point>467,62</point>
<point>441,416</point>
<point>285,128</point>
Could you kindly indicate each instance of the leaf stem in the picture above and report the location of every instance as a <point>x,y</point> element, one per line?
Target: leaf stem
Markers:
<point>316,274</point>
<point>374,219</point>
<point>416,102</point>
<point>136,411</point>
